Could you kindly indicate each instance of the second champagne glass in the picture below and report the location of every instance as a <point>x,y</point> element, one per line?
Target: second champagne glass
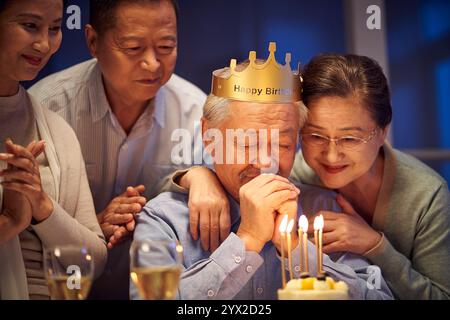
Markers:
<point>156,268</point>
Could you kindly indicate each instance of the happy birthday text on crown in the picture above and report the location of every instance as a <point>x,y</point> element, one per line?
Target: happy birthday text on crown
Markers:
<point>259,91</point>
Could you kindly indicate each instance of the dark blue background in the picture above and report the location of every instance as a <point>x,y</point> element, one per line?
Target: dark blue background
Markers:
<point>418,40</point>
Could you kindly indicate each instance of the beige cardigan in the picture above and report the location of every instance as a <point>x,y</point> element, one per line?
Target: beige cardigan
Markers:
<point>73,220</point>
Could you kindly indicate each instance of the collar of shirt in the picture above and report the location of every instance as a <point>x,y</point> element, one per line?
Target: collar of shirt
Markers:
<point>100,105</point>
<point>13,104</point>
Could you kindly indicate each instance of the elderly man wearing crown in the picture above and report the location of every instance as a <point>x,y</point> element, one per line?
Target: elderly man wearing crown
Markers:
<point>250,123</point>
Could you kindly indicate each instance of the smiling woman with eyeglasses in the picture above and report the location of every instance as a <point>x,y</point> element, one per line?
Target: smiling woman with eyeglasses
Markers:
<point>396,210</point>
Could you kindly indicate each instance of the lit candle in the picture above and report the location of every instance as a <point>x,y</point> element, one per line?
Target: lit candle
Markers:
<point>282,230</point>
<point>303,226</point>
<point>289,245</point>
<point>318,231</point>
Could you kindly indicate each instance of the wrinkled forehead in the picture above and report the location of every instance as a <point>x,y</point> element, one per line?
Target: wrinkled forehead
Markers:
<point>156,14</point>
<point>337,113</point>
<point>252,115</point>
<point>143,19</point>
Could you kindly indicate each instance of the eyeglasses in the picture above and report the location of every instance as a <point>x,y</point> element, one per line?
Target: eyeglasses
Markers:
<point>346,142</point>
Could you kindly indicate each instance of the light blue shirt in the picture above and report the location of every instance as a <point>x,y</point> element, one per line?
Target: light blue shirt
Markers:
<point>231,272</point>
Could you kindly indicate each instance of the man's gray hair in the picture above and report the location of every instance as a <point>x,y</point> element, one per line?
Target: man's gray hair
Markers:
<point>216,110</point>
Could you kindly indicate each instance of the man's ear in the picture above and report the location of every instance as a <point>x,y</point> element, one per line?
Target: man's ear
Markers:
<point>91,39</point>
<point>212,138</point>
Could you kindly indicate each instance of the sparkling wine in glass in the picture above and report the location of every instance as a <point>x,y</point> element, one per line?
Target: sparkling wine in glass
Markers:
<point>69,272</point>
<point>156,268</point>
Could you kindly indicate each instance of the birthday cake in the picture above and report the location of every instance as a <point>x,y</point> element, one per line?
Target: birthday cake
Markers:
<point>312,288</point>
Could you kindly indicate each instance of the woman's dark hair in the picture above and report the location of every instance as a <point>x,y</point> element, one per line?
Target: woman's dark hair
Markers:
<point>102,12</point>
<point>345,75</point>
<point>3,4</point>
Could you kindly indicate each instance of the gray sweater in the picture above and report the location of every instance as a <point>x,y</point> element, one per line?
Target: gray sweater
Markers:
<point>413,212</point>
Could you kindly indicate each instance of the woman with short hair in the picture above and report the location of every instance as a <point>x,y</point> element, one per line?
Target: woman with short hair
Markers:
<point>396,209</point>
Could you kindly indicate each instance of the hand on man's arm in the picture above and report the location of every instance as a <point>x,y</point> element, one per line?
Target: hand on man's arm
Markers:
<point>209,208</point>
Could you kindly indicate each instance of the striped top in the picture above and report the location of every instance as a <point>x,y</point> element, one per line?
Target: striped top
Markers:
<point>115,160</point>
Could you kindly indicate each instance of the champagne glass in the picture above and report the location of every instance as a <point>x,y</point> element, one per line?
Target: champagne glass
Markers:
<point>156,268</point>
<point>69,272</point>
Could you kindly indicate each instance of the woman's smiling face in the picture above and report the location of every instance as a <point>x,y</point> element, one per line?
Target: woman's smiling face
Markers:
<point>336,117</point>
<point>30,33</point>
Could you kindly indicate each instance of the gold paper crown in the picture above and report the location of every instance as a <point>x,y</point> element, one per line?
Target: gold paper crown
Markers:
<point>259,82</point>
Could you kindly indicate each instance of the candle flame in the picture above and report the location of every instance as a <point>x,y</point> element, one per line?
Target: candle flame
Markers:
<point>318,223</point>
<point>283,224</point>
<point>303,223</point>
<point>290,226</point>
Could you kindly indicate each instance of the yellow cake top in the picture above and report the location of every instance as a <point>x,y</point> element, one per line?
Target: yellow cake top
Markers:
<point>312,283</point>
